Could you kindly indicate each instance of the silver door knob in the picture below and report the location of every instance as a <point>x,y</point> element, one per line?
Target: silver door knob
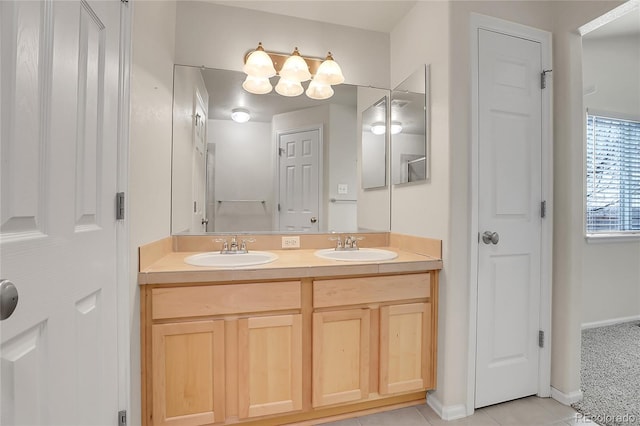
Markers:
<point>314,219</point>
<point>8,299</point>
<point>490,237</point>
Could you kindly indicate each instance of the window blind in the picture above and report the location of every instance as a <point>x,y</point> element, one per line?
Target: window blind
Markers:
<point>613,175</point>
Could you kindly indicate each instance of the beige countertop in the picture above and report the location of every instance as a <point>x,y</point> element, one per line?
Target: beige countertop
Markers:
<point>297,263</point>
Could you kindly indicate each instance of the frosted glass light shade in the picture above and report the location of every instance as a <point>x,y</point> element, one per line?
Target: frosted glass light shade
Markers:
<point>318,90</point>
<point>378,128</point>
<point>240,115</point>
<point>329,72</point>
<point>396,127</point>
<point>295,68</point>
<point>258,86</point>
<point>259,64</point>
<point>287,87</point>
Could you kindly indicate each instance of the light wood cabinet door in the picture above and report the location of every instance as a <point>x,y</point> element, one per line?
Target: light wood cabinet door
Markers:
<point>405,347</point>
<point>188,373</point>
<point>340,356</point>
<point>270,364</point>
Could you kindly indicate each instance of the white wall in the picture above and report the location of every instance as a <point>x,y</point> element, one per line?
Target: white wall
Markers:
<point>187,80</point>
<point>611,271</point>
<point>149,195</point>
<point>568,241</point>
<point>244,169</point>
<point>219,36</point>
<point>440,208</point>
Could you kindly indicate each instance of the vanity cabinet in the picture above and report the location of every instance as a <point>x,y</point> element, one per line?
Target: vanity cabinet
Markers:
<point>279,352</point>
<point>372,337</point>
<point>188,373</point>
<point>340,356</point>
<point>270,365</point>
<point>215,353</point>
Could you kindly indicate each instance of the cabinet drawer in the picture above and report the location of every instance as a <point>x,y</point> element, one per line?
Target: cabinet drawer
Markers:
<point>181,302</point>
<point>355,291</point>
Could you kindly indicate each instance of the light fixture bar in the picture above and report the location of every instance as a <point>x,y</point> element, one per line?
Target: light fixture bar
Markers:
<point>279,59</point>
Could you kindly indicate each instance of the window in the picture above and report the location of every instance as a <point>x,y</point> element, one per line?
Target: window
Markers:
<point>613,175</point>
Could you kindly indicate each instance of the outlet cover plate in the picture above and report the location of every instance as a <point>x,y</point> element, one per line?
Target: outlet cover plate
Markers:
<point>290,242</point>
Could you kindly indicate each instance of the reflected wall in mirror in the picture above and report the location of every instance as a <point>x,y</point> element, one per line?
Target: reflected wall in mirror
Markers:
<point>291,168</point>
<point>410,128</point>
<point>374,146</point>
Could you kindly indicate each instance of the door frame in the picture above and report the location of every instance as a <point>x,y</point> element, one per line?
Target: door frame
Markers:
<point>123,264</point>
<point>478,22</point>
<point>276,176</point>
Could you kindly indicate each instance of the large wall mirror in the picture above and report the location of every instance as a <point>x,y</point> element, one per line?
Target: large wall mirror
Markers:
<point>409,128</point>
<point>235,155</point>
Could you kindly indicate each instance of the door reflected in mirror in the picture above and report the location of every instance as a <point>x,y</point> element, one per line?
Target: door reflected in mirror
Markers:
<point>292,167</point>
<point>410,128</point>
<point>374,145</point>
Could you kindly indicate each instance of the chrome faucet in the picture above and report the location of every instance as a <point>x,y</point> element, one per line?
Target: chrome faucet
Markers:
<point>350,242</point>
<point>233,247</point>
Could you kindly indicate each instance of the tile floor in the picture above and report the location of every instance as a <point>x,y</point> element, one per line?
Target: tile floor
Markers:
<point>525,411</point>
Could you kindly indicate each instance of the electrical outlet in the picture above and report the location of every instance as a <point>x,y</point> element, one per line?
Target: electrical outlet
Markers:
<point>290,242</point>
<point>343,188</point>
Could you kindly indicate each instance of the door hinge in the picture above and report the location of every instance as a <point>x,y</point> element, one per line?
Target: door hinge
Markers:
<point>278,206</point>
<point>543,209</point>
<point>122,418</point>
<point>541,338</point>
<point>280,151</point>
<point>543,79</point>
<point>120,206</point>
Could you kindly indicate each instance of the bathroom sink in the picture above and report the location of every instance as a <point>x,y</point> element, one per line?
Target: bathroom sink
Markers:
<point>360,255</point>
<point>219,260</point>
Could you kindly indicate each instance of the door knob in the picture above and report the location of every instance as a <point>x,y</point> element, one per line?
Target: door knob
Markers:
<point>314,219</point>
<point>490,237</point>
<point>8,299</point>
<point>204,221</point>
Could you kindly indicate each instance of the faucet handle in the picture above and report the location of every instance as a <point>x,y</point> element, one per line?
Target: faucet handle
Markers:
<point>225,245</point>
<point>354,241</point>
<point>339,241</point>
<point>243,246</point>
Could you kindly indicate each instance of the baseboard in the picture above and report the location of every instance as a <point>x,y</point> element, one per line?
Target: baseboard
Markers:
<point>566,398</point>
<point>612,321</point>
<point>451,412</point>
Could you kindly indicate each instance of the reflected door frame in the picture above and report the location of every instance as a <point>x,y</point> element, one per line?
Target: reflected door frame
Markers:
<point>544,38</point>
<point>276,179</point>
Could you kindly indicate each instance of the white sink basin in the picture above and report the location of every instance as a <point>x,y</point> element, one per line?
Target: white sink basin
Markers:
<point>218,260</point>
<point>360,255</point>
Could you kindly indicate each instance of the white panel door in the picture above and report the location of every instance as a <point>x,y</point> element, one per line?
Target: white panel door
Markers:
<point>510,142</point>
<point>200,106</point>
<point>299,180</point>
<point>59,86</point>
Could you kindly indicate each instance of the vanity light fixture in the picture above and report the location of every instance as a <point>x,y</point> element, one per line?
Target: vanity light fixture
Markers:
<point>318,90</point>
<point>287,87</point>
<point>259,64</point>
<point>293,69</point>
<point>257,85</point>
<point>240,115</point>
